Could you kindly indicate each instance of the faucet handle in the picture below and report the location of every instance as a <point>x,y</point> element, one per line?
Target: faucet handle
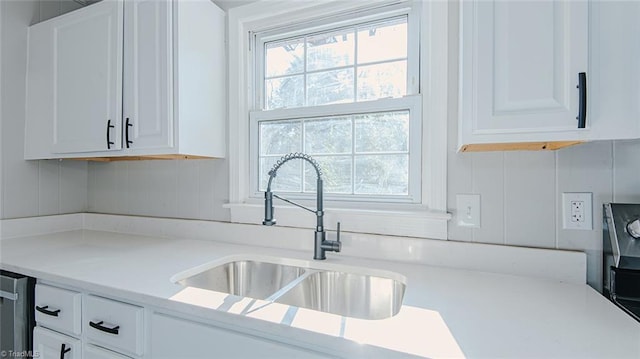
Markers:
<point>337,244</point>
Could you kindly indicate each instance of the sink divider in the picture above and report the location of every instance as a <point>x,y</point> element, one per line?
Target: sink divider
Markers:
<point>273,297</point>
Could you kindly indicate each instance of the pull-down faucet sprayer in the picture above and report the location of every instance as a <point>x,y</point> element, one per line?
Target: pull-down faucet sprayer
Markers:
<point>321,244</point>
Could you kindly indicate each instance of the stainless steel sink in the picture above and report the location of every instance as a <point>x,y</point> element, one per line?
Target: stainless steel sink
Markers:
<point>347,294</point>
<point>253,279</point>
<point>340,292</point>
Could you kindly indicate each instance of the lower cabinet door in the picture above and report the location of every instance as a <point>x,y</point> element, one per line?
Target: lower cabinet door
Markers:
<point>48,344</point>
<point>178,338</point>
<point>93,352</point>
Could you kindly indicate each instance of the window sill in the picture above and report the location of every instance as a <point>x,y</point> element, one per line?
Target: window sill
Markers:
<point>417,223</point>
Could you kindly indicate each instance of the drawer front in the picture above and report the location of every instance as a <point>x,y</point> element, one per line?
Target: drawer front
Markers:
<point>58,309</point>
<point>93,352</point>
<point>114,325</point>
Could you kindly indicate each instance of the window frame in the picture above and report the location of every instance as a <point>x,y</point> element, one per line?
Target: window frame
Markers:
<point>411,101</point>
<point>427,219</point>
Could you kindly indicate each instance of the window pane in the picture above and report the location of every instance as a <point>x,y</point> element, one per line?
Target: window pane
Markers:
<point>382,80</point>
<point>382,174</point>
<point>280,138</point>
<point>330,87</point>
<point>332,63</point>
<point>293,80</point>
<point>336,174</point>
<point>359,154</point>
<point>284,57</point>
<point>382,132</point>
<point>330,50</point>
<point>390,36</point>
<point>327,136</point>
<point>284,92</point>
<point>288,178</point>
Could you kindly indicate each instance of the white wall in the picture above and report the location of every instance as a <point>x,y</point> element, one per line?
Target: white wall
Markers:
<point>520,194</point>
<point>519,191</point>
<point>179,188</point>
<point>30,188</point>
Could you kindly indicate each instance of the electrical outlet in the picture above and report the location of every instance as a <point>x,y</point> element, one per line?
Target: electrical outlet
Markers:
<point>577,211</point>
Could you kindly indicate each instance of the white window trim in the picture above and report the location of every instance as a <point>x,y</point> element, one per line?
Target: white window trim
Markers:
<point>428,220</point>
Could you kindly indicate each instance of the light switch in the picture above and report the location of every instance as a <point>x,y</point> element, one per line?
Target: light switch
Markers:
<point>468,210</point>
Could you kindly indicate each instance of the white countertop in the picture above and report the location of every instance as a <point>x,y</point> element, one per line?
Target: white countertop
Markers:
<point>446,312</point>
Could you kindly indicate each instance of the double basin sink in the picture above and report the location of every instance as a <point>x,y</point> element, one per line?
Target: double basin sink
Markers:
<point>346,291</point>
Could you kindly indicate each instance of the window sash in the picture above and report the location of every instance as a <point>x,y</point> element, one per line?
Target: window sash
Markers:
<point>411,103</point>
<point>410,10</point>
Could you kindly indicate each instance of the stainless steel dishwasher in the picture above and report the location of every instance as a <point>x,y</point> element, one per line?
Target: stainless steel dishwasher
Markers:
<point>17,318</point>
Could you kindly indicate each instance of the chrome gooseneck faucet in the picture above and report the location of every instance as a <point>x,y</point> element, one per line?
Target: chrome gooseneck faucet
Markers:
<point>321,244</point>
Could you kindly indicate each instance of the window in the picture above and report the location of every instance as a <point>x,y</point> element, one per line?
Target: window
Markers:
<point>383,146</point>
<point>344,92</point>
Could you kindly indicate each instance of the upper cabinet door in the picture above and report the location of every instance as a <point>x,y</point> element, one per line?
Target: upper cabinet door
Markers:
<point>87,78</point>
<point>614,69</point>
<point>520,65</point>
<point>148,95</point>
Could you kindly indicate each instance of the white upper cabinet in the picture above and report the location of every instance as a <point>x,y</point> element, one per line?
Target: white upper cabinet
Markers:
<point>87,54</point>
<point>148,107</point>
<point>74,82</point>
<point>520,72</point>
<point>614,69</point>
<point>139,78</point>
<point>520,62</point>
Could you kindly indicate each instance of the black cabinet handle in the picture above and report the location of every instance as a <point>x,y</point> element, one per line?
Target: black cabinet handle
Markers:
<point>109,127</point>
<point>101,327</point>
<point>64,350</point>
<point>47,311</point>
<point>126,132</point>
<point>582,107</point>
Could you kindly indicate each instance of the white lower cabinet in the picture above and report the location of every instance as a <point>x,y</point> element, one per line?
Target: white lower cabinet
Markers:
<point>93,352</point>
<point>57,314</point>
<point>179,338</point>
<point>58,309</point>
<point>113,324</point>
<point>74,324</point>
<point>48,344</point>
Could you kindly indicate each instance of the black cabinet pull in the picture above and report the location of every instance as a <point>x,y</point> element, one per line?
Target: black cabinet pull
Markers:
<point>582,107</point>
<point>109,127</point>
<point>64,350</point>
<point>45,310</point>
<point>101,327</point>
<point>126,132</point>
